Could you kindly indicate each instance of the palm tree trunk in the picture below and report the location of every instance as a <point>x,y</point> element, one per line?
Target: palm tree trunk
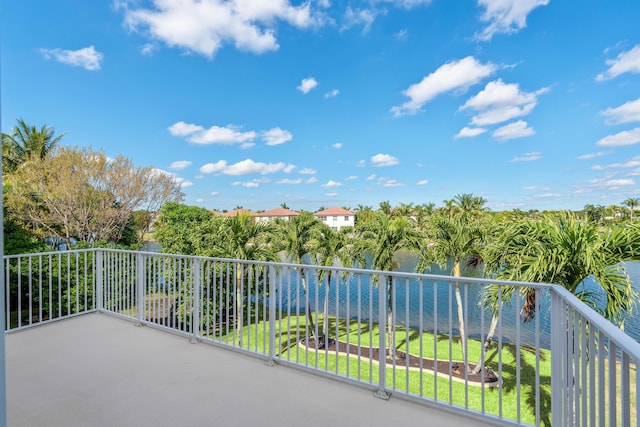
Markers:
<point>487,342</point>
<point>312,324</point>
<point>325,320</point>
<point>461,326</point>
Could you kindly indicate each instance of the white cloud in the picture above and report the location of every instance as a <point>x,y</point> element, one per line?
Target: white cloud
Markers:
<point>204,26</point>
<point>247,145</point>
<point>592,155</point>
<point>148,48</point>
<point>534,188</point>
<point>214,193</point>
<point>506,16</point>
<point>219,166</point>
<point>614,183</point>
<point>306,85</point>
<point>467,132</point>
<point>276,136</point>
<point>384,160</point>
<point>246,167</point>
<point>180,165</point>
<point>332,94</point>
<point>337,145</point>
<point>528,157</point>
<point>625,113</point>
<point>331,184</point>
<point>407,4</point>
<point>402,35</point>
<point>88,58</point>
<point>371,177</point>
<point>334,194</point>
<point>631,163</point>
<point>311,180</point>
<point>351,178</point>
<point>213,135</point>
<point>391,183</point>
<point>361,163</point>
<point>627,137</point>
<point>186,184</point>
<point>308,171</point>
<point>289,181</point>
<point>251,184</point>
<point>454,75</point>
<point>364,17</point>
<point>513,130</point>
<point>422,182</point>
<point>626,62</point>
<point>499,102</point>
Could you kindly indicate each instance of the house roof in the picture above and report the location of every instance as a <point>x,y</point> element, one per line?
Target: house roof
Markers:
<point>335,210</point>
<point>235,212</point>
<point>278,212</point>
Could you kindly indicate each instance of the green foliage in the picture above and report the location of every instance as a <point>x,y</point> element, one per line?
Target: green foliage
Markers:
<point>174,229</point>
<point>27,143</point>
<point>564,250</point>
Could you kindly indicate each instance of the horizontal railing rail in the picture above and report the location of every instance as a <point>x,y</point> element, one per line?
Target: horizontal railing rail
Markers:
<point>458,343</point>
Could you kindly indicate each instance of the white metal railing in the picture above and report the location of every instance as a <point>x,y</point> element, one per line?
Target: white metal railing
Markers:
<point>569,366</point>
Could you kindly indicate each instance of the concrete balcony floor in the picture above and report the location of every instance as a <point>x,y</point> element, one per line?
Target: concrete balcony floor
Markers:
<point>96,370</point>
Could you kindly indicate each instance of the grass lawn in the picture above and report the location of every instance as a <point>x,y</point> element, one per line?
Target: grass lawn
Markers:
<point>291,329</point>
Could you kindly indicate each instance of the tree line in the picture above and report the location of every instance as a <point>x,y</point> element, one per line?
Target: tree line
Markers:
<point>54,194</point>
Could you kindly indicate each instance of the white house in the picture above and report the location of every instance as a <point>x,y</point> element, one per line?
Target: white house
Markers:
<point>336,217</point>
<point>282,213</point>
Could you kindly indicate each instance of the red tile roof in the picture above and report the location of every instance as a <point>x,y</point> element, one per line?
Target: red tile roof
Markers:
<point>335,210</point>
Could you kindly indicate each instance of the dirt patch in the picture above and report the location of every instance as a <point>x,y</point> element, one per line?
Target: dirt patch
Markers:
<point>442,368</point>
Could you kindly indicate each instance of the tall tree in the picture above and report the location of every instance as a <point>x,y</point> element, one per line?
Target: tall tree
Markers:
<point>452,239</point>
<point>383,237</point>
<point>295,238</point>
<point>242,238</point>
<point>79,194</point>
<point>631,203</point>
<point>328,247</point>
<point>565,250</point>
<point>468,204</point>
<point>178,228</point>
<point>27,143</point>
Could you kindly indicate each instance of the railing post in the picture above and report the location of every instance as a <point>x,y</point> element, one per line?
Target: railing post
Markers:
<point>140,289</point>
<point>195,319</point>
<point>382,393</point>
<point>99,280</point>
<point>271,360</point>
<point>558,330</point>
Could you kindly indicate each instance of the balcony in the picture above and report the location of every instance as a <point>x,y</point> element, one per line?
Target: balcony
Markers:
<point>86,364</point>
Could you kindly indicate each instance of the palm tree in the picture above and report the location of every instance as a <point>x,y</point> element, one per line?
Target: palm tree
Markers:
<point>295,238</point>
<point>242,238</point>
<point>383,237</point>
<point>631,202</point>
<point>566,250</point>
<point>452,238</point>
<point>468,204</point>
<point>421,214</point>
<point>328,247</point>
<point>26,143</point>
<point>385,207</point>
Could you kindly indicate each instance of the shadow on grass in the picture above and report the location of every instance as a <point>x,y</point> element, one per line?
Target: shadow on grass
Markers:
<point>527,376</point>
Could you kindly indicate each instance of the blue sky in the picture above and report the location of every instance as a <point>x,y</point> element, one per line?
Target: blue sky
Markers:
<point>531,104</point>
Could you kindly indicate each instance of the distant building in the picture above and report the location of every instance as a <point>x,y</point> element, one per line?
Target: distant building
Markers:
<point>282,213</point>
<point>336,217</point>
